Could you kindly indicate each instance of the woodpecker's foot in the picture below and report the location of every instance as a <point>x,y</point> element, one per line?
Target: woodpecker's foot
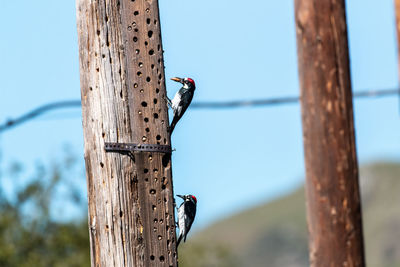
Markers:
<point>169,103</point>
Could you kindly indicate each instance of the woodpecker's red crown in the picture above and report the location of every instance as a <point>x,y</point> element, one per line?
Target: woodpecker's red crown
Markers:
<point>191,81</point>
<point>194,198</point>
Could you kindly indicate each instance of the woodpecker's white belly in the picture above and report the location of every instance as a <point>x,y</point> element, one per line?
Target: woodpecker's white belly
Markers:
<point>181,220</point>
<point>175,101</point>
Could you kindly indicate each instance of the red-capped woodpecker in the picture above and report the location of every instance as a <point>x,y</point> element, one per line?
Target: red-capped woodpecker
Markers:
<point>181,100</point>
<point>186,214</point>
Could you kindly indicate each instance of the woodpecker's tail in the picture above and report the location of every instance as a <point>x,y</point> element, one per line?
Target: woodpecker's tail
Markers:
<point>172,126</point>
<point>179,240</point>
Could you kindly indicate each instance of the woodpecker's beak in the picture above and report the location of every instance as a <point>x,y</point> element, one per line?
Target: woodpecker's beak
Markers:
<point>183,197</point>
<point>176,79</point>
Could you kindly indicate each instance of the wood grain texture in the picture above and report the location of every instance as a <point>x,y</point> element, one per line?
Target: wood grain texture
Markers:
<point>333,198</point>
<point>131,204</point>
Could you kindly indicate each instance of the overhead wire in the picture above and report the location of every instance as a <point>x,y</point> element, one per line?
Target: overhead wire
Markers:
<point>196,105</point>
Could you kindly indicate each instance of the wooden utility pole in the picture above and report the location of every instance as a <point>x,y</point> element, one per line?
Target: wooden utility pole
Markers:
<point>332,190</point>
<point>131,204</point>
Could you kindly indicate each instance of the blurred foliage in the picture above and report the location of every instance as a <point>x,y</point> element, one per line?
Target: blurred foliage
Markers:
<point>210,255</point>
<point>29,234</point>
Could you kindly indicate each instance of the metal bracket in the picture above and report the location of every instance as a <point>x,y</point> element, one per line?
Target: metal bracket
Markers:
<point>130,148</point>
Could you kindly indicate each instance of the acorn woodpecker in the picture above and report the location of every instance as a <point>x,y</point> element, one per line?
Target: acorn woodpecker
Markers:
<point>186,214</point>
<point>181,100</point>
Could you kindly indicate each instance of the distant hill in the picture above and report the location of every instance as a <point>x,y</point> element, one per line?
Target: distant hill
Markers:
<point>275,234</point>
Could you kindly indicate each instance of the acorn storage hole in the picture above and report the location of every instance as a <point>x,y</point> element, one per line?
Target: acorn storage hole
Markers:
<point>135,39</point>
<point>144,104</point>
<point>152,257</point>
<point>136,13</point>
<point>148,79</point>
<point>162,259</point>
<point>155,115</point>
<point>150,34</point>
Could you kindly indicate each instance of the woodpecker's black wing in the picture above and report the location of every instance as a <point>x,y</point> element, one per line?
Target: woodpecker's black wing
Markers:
<point>180,103</point>
<point>190,213</point>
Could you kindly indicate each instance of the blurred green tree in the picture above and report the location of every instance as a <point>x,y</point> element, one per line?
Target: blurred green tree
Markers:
<point>30,234</point>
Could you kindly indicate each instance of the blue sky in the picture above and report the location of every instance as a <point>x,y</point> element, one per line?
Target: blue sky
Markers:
<point>229,159</point>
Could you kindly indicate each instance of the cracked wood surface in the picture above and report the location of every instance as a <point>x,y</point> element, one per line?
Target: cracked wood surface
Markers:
<point>332,190</point>
<point>131,204</point>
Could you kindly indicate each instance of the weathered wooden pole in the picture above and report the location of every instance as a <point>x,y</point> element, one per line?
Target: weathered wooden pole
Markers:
<point>332,190</point>
<point>131,212</point>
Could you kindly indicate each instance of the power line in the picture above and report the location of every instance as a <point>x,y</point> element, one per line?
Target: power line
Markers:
<point>197,105</point>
